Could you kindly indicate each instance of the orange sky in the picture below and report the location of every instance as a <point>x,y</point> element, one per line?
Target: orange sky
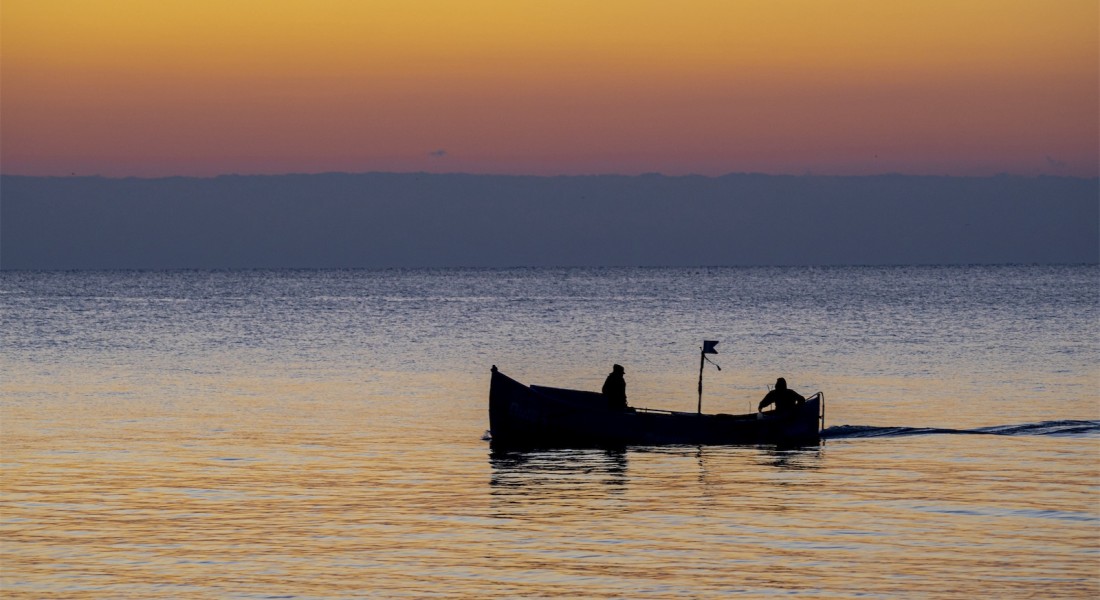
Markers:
<point>204,87</point>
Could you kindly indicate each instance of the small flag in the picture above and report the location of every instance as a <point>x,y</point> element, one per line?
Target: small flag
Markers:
<point>708,347</point>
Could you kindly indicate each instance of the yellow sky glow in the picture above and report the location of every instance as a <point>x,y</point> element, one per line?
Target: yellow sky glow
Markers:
<point>204,87</point>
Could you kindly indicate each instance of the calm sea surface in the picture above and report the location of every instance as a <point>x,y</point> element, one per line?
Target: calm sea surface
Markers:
<point>319,434</point>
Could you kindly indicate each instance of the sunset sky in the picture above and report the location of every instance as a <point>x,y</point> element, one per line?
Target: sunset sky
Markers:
<point>206,87</point>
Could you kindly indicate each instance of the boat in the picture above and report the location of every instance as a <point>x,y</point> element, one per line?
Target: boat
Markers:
<point>536,416</point>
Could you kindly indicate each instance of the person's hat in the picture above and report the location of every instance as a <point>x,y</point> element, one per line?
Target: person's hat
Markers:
<point>618,369</point>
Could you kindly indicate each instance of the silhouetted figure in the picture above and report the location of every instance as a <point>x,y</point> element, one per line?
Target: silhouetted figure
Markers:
<point>784,399</point>
<point>614,388</point>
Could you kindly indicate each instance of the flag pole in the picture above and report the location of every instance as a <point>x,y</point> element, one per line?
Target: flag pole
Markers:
<point>702,361</point>
<point>708,348</point>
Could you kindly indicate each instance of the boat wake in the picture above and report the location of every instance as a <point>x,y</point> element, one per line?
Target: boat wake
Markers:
<point>1052,428</point>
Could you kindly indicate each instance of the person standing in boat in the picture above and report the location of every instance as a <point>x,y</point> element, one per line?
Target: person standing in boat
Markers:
<point>614,388</point>
<point>785,400</point>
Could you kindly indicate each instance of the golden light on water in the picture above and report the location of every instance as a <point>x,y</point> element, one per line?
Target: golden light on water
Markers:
<point>249,486</point>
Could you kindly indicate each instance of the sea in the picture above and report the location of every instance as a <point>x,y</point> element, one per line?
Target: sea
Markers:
<point>318,434</point>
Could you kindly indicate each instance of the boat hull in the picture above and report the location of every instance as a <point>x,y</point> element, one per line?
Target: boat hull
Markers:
<point>537,416</point>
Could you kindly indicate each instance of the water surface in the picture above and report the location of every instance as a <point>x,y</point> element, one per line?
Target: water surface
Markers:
<point>318,434</point>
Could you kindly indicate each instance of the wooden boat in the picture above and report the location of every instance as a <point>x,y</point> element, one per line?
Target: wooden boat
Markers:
<point>538,416</point>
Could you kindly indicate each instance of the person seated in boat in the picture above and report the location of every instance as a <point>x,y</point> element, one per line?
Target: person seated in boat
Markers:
<point>784,399</point>
<point>614,389</point>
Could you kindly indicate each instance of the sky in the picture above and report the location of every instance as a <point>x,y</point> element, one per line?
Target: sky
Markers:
<point>830,87</point>
<point>383,220</point>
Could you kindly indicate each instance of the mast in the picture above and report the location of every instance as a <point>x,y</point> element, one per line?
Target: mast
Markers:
<point>708,348</point>
<point>702,361</point>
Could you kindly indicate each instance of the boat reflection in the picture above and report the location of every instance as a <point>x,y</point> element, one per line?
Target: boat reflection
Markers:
<point>548,484</point>
<point>522,467</point>
<point>552,484</point>
<point>512,467</point>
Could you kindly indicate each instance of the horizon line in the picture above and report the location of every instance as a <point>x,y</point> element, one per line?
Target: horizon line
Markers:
<point>559,267</point>
<point>1005,175</point>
